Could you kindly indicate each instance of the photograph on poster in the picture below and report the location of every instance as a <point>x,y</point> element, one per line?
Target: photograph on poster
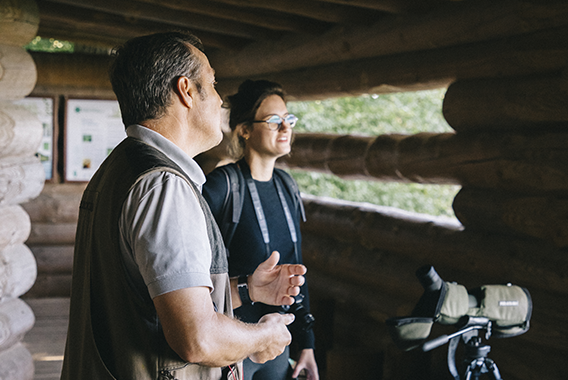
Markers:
<point>93,127</point>
<point>43,109</point>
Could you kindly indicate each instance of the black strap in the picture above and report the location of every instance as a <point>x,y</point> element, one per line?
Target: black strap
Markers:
<point>260,212</point>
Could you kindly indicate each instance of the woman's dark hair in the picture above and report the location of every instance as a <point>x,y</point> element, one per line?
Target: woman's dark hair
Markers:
<point>247,100</point>
<point>145,70</point>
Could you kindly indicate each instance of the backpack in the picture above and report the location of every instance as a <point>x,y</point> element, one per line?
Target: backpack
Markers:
<point>234,199</point>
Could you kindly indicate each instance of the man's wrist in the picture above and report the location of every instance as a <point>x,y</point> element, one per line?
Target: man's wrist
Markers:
<point>242,287</point>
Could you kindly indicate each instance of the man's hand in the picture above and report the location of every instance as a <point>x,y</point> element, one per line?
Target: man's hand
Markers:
<point>279,337</point>
<point>274,284</point>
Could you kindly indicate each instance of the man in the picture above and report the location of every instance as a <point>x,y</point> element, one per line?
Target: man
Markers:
<point>151,297</point>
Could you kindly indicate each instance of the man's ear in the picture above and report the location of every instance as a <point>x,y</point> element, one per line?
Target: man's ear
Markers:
<point>186,91</point>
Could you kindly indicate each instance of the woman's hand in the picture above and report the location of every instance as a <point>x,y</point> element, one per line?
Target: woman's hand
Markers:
<point>307,361</point>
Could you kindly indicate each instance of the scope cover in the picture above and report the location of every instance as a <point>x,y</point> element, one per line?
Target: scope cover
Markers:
<point>508,307</point>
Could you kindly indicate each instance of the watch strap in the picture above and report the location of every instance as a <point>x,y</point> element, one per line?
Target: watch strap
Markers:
<point>242,286</point>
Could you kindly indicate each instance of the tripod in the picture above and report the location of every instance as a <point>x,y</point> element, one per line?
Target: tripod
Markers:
<point>475,362</point>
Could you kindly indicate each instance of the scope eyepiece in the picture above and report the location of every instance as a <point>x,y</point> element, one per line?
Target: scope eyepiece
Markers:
<point>429,278</point>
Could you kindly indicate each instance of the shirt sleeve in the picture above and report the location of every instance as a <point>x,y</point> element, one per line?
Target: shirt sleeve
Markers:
<point>164,232</point>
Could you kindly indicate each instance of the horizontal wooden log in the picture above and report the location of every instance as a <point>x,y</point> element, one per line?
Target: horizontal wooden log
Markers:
<point>313,10</point>
<point>16,319</point>
<point>16,363</point>
<point>21,179</point>
<point>18,72</point>
<point>53,259</point>
<point>57,203</point>
<point>15,225</point>
<point>19,21</point>
<point>20,131</point>
<point>392,36</point>
<point>500,212</point>
<point>507,103</point>
<point>52,234</point>
<point>18,270</point>
<point>540,52</point>
<point>49,286</point>
<point>524,163</point>
<point>474,256</point>
<point>72,70</point>
<point>284,21</point>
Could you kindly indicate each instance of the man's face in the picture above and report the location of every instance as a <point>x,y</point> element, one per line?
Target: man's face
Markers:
<point>207,116</point>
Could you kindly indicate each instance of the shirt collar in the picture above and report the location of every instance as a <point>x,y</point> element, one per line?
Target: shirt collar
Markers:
<point>175,153</point>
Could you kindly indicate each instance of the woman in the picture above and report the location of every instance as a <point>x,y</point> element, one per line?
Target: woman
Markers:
<point>262,132</point>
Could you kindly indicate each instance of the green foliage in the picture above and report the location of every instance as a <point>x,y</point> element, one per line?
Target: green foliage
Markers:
<point>50,45</point>
<point>406,113</point>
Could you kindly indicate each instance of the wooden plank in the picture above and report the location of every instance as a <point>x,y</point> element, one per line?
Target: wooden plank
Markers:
<point>460,23</point>
<point>394,6</point>
<point>91,16</point>
<point>328,12</point>
<point>257,16</point>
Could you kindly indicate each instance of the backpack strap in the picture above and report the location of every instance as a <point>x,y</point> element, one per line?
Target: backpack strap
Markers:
<point>233,203</point>
<point>292,187</point>
<point>234,199</point>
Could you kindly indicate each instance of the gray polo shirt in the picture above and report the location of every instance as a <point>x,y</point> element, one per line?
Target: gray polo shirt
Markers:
<point>162,227</point>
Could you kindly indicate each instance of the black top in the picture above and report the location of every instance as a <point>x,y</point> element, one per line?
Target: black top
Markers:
<point>247,248</point>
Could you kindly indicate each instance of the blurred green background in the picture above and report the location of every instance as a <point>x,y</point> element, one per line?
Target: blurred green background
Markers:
<point>372,115</point>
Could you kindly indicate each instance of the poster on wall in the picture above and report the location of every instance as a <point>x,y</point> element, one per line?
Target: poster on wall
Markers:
<point>43,108</point>
<point>93,127</point>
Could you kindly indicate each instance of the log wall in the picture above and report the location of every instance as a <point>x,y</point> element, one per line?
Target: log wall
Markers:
<point>21,179</point>
<point>506,68</point>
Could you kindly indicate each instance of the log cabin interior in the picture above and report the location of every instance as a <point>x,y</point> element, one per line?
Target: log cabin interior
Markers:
<point>504,65</point>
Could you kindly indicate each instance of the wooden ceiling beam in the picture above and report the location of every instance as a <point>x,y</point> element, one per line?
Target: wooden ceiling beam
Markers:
<point>541,52</point>
<point>455,24</point>
<point>328,12</point>
<point>392,6</point>
<point>135,12</point>
<point>254,16</point>
<point>101,29</point>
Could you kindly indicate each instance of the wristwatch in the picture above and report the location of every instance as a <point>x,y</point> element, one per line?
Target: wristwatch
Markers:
<point>242,286</point>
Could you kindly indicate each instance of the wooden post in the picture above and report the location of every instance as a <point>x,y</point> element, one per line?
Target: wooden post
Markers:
<point>21,178</point>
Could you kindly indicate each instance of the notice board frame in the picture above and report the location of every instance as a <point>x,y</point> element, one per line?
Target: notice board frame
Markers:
<point>97,129</point>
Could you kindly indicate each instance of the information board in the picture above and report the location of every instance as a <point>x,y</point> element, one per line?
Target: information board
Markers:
<point>43,108</point>
<point>93,127</point>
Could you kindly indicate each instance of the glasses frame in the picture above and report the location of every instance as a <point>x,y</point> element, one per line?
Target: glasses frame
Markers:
<point>279,124</point>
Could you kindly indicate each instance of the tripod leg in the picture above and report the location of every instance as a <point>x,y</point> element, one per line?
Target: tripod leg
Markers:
<point>493,370</point>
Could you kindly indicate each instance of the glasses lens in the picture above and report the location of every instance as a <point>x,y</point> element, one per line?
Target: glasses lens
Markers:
<point>291,120</point>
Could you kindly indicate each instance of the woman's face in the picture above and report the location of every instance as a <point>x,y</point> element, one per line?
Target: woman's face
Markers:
<point>260,139</point>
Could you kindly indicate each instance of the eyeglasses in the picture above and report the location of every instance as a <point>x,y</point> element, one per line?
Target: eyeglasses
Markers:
<point>274,122</point>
